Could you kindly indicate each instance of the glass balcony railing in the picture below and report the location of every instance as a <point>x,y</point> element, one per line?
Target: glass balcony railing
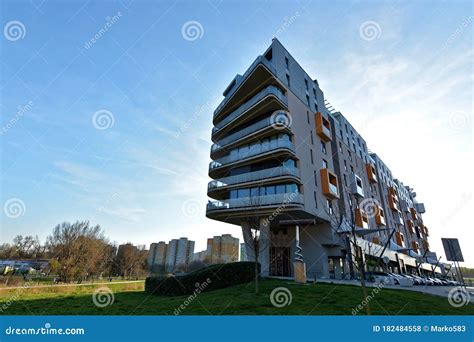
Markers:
<point>256,201</point>
<point>252,151</point>
<point>260,59</point>
<point>270,90</point>
<point>256,175</point>
<point>333,189</point>
<point>242,133</point>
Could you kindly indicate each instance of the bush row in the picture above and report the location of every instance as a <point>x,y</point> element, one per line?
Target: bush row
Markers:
<point>206,279</point>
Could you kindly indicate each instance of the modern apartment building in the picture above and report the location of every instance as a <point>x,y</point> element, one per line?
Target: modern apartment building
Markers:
<point>157,256</point>
<point>167,257</point>
<point>222,249</point>
<point>302,172</point>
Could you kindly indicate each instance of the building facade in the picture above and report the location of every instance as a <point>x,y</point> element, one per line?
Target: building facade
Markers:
<point>300,175</point>
<point>157,256</point>
<point>222,249</point>
<point>168,257</point>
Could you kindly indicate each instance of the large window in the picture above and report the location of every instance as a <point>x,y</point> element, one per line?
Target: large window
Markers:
<point>264,190</point>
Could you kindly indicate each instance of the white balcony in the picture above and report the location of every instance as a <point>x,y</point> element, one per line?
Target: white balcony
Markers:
<point>256,202</point>
<point>253,151</point>
<point>253,176</point>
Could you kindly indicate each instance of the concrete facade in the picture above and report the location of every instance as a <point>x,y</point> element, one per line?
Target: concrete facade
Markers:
<point>284,163</point>
<point>222,249</point>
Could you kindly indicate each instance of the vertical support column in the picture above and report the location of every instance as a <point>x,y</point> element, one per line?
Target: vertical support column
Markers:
<point>299,265</point>
<point>247,233</point>
<point>264,248</point>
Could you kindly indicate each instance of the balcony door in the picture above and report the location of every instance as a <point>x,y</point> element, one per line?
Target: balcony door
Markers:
<point>280,261</point>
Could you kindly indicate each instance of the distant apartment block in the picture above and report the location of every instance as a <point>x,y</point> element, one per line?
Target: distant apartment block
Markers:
<point>200,256</point>
<point>157,256</point>
<point>243,252</point>
<point>222,249</point>
<point>283,156</point>
<point>168,257</point>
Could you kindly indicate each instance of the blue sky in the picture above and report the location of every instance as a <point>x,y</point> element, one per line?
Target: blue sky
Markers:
<point>143,176</point>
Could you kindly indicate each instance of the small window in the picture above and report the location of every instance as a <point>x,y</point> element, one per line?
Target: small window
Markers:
<point>329,206</point>
<point>311,155</point>
<point>307,116</point>
<point>315,200</point>
<point>350,155</point>
<point>340,147</point>
<point>269,55</point>
<point>345,165</point>
<point>352,169</point>
<point>345,179</point>
<point>315,178</point>
<point>312,139</point>
<point>288,80</point>
<point>323,147</point>
<point>287,63</point>
<point>325,164</point>
<point>307,100</point>
<point>306,83</point>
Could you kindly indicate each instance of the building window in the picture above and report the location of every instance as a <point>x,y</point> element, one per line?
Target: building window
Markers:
<point>323,147</point>
<point>340,147</point>
<point>314,93</point>
<point>311,155</point>
<point>315,178</point>
<point>307,100</point>
<point>329,207</point>
<point>288,80</point>
<point>325,164</point>
<point>345,165</point>
<point>287,63</point>
<point>307,116</point>
<point>345,179</point>
<point>306,83</point>
<point>350,155</point>
<point>312,140</point>
<point>352,169</point>
<point>315,200</point>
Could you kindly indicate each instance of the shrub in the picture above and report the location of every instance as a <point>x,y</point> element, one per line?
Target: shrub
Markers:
<point>206,279</point>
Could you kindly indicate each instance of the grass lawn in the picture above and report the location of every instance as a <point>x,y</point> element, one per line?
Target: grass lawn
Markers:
<point>311,299</point>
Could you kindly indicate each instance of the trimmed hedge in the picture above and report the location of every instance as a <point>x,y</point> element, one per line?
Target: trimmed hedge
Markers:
<point>206,279</point>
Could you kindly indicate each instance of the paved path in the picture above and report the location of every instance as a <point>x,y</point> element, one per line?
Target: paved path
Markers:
<point>442,291</point>
<point>65,285</point>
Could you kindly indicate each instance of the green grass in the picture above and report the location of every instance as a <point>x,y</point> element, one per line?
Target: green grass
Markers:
<point>312,299</point>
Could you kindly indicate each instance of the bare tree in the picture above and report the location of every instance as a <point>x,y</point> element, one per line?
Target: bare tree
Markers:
<point>78,250</point>
<point>257,240</point>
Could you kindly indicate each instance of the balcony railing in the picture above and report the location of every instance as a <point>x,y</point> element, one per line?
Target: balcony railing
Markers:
<point>252,176</point>
<point>260,59</point>
<point>270,90</point>
<point>242,133</point>
<point>256,201</point>
<point>252,151</point>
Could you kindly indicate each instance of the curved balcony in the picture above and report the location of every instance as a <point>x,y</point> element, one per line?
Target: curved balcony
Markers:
<point>253,151</point>
<point>244,133</point>
<point>268,91</point>
<point>260,60</point>
<point>273,172</point>
<point>256,202</point>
